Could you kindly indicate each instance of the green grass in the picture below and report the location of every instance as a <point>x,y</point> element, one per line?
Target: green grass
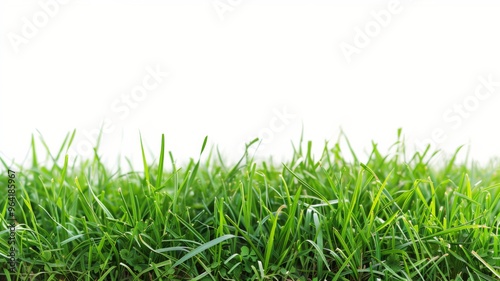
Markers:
<point>393,217</point>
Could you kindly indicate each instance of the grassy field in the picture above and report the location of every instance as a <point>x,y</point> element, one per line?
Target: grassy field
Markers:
<point>393,217</point>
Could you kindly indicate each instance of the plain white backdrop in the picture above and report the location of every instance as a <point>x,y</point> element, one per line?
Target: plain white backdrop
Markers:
<point>239,69</point>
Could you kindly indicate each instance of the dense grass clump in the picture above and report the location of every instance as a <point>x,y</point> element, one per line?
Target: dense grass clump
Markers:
<point>393,217</point>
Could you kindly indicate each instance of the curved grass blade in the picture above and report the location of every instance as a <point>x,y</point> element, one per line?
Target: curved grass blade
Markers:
<point>203,247</point>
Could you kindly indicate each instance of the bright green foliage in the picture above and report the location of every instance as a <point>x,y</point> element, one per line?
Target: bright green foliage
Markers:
<point>392,217</point>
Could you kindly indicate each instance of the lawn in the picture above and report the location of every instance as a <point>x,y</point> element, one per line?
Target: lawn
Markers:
<point>313,217</point>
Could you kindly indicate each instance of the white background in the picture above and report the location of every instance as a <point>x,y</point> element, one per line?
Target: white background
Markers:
<point>232,71</point>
